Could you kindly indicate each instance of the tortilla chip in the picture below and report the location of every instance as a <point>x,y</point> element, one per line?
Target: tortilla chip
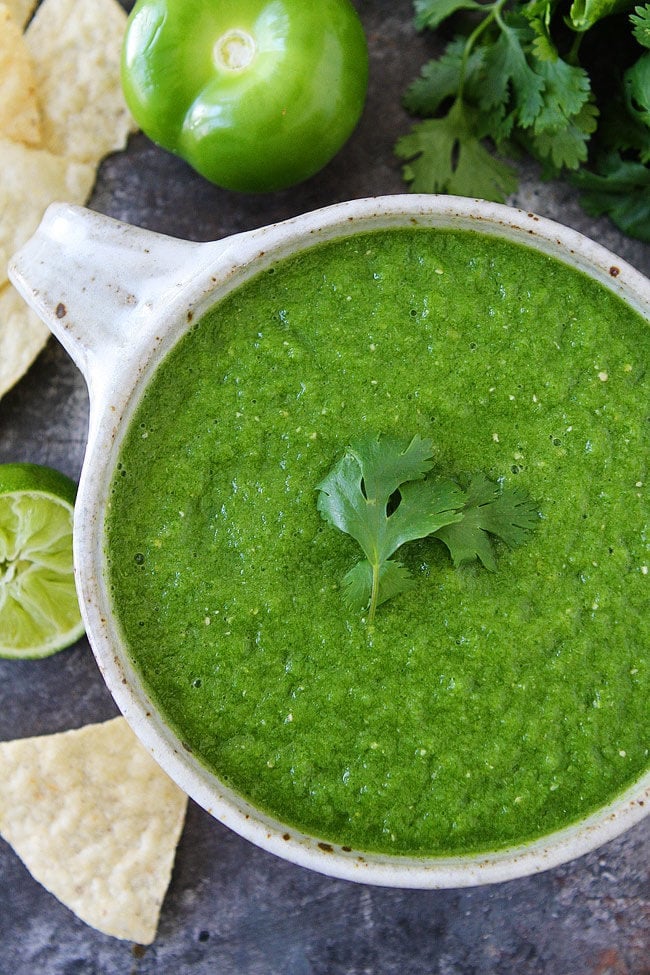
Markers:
<point>19,114</point>
<point>20,10</point>
<point>31,180</point>
<point>96,821</point>
<point>22,336</point>
<point>76,51</point>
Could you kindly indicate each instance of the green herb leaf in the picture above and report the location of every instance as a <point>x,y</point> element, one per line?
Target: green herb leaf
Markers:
<point>358,496</point>
<point>521,73</point>
<point>621,133</point>
<point>510,81</point>
<point>566,91</point>
<point>507,514</point>
<point>566,146</point>
<point>431,13</point>
<point>621,189</point>
<point>636,84</point>
<point>440,79</point>
<point>393,579</point>
<point>585,13</point>
<point>538,13</point>
<point>641,24</point>
<point>379,495</point>
<point>445,155</point>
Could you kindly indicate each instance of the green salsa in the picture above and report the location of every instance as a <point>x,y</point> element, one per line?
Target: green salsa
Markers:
<point>481,709</point>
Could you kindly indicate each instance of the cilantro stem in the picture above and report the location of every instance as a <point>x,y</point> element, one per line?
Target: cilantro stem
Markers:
<point>494,12</point>
<point>572,56</point>
<point>372,609</point>
<point>498,18</point>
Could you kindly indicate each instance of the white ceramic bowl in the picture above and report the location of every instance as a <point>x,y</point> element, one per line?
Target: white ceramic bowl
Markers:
<point>118,298</point>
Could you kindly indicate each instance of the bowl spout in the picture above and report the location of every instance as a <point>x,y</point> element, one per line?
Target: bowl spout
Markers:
<point>97,282</point>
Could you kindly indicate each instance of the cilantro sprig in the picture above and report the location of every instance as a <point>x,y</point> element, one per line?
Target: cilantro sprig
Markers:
<point>567,82</point>
<point>379,494</point>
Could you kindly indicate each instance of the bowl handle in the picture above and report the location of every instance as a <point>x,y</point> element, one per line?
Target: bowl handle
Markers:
<point>97,282</point>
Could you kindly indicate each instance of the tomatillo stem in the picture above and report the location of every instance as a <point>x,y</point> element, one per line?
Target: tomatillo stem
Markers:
<point>234,50</point>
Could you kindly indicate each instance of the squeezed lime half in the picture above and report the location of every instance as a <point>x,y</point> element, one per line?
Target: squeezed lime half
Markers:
<point>39,609</point>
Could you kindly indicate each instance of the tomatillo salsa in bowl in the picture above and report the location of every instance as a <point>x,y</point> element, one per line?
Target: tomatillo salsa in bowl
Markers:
<point>453,389</point>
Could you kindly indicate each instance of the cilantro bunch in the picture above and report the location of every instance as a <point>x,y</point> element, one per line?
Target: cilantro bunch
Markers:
<point>567,83</point>
<point>378,493</point>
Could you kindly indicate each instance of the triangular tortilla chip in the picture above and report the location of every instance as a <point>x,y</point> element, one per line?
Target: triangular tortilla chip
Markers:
<point>22,336</point>
<point>31,180</point>
<point>76,51</point>
<point>19,115</point>
<point>96,821</point>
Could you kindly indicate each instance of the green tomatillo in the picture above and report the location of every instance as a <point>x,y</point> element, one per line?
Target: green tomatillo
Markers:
<point>256,95</point>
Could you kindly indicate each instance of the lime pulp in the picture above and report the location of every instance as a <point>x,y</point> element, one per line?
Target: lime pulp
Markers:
<point>39,609</point>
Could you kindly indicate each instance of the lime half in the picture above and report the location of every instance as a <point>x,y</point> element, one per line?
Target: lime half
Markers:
<point>39,610</point>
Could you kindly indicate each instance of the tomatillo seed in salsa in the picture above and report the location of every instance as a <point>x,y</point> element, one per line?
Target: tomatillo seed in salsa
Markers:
<point>481,709</point>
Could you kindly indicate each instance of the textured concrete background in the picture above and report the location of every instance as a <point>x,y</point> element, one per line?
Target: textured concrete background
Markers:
<point>232,909</point>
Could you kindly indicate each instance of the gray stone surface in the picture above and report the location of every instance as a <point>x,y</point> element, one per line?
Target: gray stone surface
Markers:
<point>232,909</point>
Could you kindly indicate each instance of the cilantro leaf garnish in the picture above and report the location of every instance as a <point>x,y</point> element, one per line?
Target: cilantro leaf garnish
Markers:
<point>358,496</point>
<point>379,494</point>
<point>519,74</point>
<point>488,512</point>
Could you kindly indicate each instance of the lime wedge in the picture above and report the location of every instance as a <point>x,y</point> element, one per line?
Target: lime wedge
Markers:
<point>39,610</point>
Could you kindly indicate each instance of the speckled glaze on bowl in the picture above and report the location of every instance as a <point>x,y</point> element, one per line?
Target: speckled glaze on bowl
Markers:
<point>118,298</point>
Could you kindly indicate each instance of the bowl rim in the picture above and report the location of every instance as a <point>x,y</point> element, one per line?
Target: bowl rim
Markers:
<point>245,255</point>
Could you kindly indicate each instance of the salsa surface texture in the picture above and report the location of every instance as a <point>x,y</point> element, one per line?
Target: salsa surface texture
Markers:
<point>481,709</point>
